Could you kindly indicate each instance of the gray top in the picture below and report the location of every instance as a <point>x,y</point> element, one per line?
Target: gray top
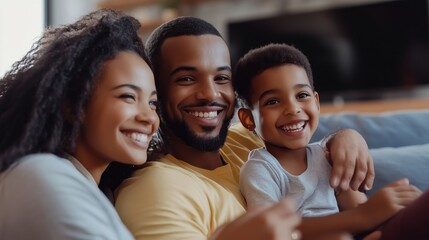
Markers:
<point>43,196</point>
<point>264,180</point>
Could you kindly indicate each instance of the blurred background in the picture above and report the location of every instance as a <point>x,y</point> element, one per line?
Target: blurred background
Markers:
<point>359,49</point>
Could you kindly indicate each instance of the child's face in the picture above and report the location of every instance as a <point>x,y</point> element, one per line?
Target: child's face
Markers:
<point>120,118</point>
<point>284,106</point>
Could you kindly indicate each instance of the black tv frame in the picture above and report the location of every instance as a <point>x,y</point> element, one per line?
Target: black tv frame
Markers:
<point>366,51</point>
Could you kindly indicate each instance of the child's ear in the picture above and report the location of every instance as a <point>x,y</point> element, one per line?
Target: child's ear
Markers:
<point>316,97</point>
<point>246,118</point>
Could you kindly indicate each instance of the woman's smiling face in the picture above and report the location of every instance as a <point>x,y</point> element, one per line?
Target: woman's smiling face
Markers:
<point>121,117</point>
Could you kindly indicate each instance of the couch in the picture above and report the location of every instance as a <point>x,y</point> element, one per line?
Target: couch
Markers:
<point>398,142</point>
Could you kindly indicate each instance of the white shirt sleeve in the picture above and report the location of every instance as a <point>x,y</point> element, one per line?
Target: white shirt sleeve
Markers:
<point>46,197</point>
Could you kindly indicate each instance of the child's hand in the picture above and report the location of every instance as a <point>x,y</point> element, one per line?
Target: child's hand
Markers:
<point>352,164</point>
<point>388,201</point>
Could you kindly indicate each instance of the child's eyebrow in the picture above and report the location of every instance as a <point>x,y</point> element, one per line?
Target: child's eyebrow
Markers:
<point>269,91</point>
<point>302,85</point>
<point>274,90</point>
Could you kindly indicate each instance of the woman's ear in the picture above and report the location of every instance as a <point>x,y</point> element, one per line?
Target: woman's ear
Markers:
<point>69,115</point>
<point>246,118</point>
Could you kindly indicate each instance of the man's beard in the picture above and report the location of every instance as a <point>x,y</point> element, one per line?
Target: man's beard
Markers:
<point>205,144</point>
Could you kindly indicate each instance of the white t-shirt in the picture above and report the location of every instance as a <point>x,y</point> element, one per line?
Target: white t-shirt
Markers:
<point>43,196</point>
<point>264,180</point>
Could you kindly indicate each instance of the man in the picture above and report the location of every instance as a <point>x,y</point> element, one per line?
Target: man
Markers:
<point>193,190</point>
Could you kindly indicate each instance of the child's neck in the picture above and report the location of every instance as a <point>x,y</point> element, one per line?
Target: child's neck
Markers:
<point>294,161</point>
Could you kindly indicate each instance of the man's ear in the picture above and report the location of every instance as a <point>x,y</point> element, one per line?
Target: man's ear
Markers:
<point>246,118</point>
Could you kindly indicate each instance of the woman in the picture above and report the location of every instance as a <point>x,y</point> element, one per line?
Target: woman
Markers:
<point>83,97</point>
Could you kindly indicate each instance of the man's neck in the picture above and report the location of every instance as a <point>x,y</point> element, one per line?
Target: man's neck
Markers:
<point>205,160</point>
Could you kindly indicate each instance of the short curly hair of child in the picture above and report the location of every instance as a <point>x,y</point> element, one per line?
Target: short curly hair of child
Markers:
<point>260,59</point>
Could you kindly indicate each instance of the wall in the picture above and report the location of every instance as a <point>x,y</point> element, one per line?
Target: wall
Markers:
<point>219,13</point>
<point>21,23</point>
<point>68,11</point>
<point>14,44</point>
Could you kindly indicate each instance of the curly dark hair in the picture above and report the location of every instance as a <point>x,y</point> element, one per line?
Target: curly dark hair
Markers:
<point>44,96</point>
<point>260,59</point>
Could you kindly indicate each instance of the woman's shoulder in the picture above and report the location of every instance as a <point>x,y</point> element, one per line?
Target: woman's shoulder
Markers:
<point>42,173</point>
<point>38,165</point>
<point>44,168</point>
<point>50,186</point>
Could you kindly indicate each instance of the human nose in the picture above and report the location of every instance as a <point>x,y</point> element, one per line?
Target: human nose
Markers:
<point>291,108</point>
<point>208,90</point>
<point>147,114</point>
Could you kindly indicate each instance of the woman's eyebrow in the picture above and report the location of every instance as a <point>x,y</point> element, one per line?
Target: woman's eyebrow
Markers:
<point>132,86</point>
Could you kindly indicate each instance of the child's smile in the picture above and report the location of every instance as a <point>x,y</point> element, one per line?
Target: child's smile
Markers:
<point>284,106</point>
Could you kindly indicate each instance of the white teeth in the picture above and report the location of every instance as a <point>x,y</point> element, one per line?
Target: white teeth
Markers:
<point>138,137</point>
<point>294,127</point>
<point>204,114</point>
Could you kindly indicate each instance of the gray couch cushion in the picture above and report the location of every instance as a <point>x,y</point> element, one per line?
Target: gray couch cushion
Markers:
<point>390,129</point>
<point>399,143</point>
<point>411,162</point>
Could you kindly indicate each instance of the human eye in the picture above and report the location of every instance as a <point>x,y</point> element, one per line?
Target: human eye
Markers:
<point>222,79</point>
<point>128,97</point>
<point>303,95</point>
<point>271,102</point>
<point>154,104</point>
<point>185,80</point>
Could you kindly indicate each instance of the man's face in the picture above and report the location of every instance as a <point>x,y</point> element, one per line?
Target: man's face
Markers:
<point>197,92</point>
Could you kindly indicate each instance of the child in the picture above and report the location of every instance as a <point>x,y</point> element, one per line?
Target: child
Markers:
<point>276,83</point>
<point>83,97</point>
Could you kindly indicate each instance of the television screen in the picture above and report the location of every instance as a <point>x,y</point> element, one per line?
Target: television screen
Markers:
<point>357,52</point>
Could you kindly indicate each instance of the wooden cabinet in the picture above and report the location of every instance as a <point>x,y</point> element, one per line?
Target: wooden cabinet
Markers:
<point>126,4</point>
<point>168,8</point>
<point>376,106</point>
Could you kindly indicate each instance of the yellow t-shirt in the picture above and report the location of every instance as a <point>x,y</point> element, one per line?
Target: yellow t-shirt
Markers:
<point>170,199</point>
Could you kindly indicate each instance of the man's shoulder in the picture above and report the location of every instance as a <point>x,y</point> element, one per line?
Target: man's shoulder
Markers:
<point>158,182</point>
<point>240,137</point>
<point>237,130</point>
<point>158,173</point>
<point>166,165</point>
